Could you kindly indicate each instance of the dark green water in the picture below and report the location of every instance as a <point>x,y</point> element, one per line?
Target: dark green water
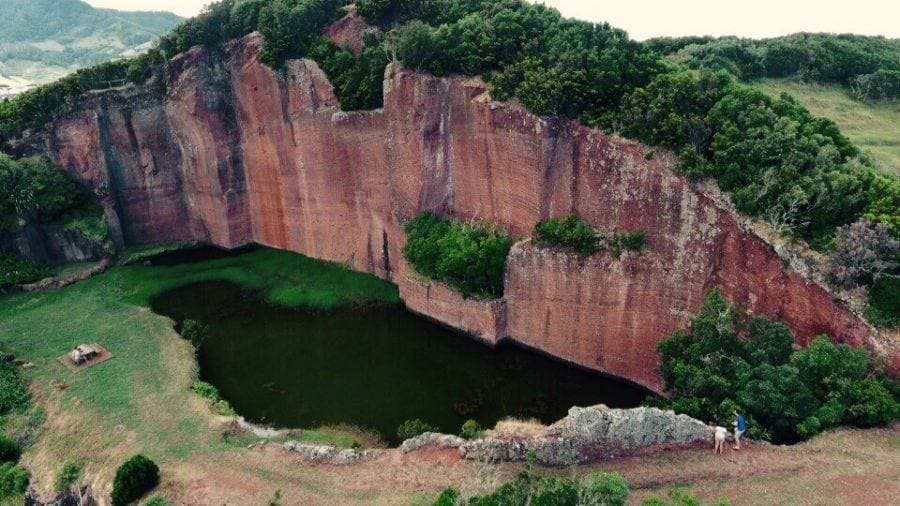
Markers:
<point>372,366</point>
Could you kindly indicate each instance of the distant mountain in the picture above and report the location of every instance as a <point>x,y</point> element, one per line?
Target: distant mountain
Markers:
<point>42,40</point>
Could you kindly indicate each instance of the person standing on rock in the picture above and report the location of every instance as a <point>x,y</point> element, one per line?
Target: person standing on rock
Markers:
<point>719,438</point>
<point>740,425</point>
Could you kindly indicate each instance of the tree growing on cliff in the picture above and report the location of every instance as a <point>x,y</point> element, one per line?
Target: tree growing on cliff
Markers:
<point>723,360</point>
<point>864,251</point>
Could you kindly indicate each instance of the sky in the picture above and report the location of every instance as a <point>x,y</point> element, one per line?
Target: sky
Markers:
<point>653,18</point>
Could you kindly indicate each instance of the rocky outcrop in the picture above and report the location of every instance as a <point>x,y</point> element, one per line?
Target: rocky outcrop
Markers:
<point>585,435</point>
<point>594,434</point>
<point>235,152</point>
<point>51,244</point>
<point>327,454</point>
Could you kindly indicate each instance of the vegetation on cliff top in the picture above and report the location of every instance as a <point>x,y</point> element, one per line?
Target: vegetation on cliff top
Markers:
<point>574,233</point>
<point>780,163</point>
<point>469,257</point>
<point>871,65</point>
<point>725,361</point>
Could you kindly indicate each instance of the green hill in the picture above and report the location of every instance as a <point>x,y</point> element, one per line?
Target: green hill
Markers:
<point>42,40</point>
<point>873,126</point>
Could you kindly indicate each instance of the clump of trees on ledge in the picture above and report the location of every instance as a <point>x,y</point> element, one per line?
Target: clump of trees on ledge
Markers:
<point>778,162</point>
<point>725,361</point>
<point>574,233</point>
<point>470,257</point>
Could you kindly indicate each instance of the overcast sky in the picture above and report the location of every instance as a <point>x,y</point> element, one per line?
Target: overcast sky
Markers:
<point>652,18</point>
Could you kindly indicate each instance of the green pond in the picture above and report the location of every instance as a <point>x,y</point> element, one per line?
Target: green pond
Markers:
<point>372,365</point>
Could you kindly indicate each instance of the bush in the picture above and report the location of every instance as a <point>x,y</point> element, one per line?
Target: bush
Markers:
<point>470,430</point>
<point>608,489</point>
<point>13,392</point>
<point>680,497</point>
<point>194,331</point>
<point>207,391</point>
<point>884,302</point>
<point>633,240</point>
<point>9,450</point>
<point>722,362</point>
<point>863,253</point>
<point>15,270</point>
<point>470,258</point>
<point>570,232</point>
<point>157,501</point>
<point>13,480</point>
<point>880,85</point>
<point>137,476</point>
<point>412,428</point>
<point>67,476</point>
<point>604,488</point>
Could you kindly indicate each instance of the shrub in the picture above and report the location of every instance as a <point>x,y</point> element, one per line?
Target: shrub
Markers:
<point>67,476</point>
<point>137,476</point>
<point>13,392</point>
<point>15,270</point>
<point>470,258</point>
<point>207,391</point>
<point>570,232</point>
<point>608,489</point>
<point>604,488</point>
<point>470,430</point>
<point>412,428</point>
<point>9,449</point>
<point>157,500</point>
<point>13,480</point>
<point>863,252</point>
<point>449,497</point>
<point>633,240</point>
<point>884,302</point>
<point>680,497</point>
<point>194,331</point>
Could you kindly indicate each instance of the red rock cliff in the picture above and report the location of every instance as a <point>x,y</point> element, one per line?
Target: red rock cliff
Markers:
<point>236,153</point>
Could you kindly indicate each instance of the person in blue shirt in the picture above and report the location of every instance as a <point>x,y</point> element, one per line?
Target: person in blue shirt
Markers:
<point>740,425</point>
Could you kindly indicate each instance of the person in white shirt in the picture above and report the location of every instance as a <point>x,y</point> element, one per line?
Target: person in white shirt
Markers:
<point>719,438</point>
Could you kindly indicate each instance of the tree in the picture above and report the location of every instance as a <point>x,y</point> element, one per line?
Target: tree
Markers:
<point>137,476</point>
<point>863,252</point>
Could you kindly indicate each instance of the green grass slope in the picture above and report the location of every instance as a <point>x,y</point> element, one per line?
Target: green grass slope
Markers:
<point>873,126</point>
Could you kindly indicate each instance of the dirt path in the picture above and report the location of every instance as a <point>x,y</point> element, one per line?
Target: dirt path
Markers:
<point>845,467</point>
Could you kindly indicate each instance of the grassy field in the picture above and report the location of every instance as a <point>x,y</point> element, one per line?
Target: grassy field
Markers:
<point>141,399</point>
<point>873,127</point>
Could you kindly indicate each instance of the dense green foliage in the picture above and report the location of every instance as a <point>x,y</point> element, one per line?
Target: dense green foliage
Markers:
<point>137,476</point>
<point>880,85</point>
<point>811,56</point>
<point>723,361</point>
<point>412,428</point>
<point>680,497</point>
<point>9,450</point>
<point>470,430</point>
<point>607,489</point>
<point>884,302</point>
<point>67,476</point>
<point>13,392</point>
<point>469,257</point>
<point>570,232</point>
<point>34,190</point>
<point>15,270</point>
<point>13,480</point>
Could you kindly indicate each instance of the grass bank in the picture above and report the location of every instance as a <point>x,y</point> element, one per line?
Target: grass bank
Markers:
<point>140,401</point>
<point>873,126</point>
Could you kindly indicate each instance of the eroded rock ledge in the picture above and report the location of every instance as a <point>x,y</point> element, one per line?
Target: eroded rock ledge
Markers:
<point>235,153</point>
<point>585,435</point>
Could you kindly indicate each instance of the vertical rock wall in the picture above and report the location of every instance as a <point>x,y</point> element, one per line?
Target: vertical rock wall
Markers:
<point>235,153</point>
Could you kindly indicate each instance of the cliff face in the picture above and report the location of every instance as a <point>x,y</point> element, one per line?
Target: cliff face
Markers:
<point>237,153</point>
